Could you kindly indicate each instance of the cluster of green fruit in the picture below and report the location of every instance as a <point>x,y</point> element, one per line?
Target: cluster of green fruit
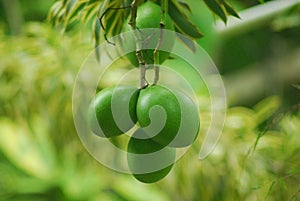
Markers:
<point>166,120</point>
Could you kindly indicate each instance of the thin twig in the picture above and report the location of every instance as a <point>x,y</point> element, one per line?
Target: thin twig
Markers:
<point>108,41</point>
<point>164,4</point>
<point>108,9</point>
<point>101,21</point>
<point>142,63</point>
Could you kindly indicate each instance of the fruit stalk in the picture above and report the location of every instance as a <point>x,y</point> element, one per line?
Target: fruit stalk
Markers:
<point>132,23</point>
<point>164,4</point>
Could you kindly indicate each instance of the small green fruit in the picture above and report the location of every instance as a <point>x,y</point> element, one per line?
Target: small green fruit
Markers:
<point>113,111</point>
<point>149,161</point>
<point>170,118</point>
<point>148,16</point>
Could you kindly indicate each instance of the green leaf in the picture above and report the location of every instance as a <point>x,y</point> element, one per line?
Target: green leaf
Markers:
<point>54,10</point>
<point>69,6</point>
<point>182,23</point>
<point>115,17</point>
<point>188,43</point>
<point>282,184</point>
<point>96,35</point>
<point>90,11</point>
<point>64,2</point>
<point>96,30</point>
<point>93,1</point>
<point>18,144</point>
<point>270,190</point>
<point>230,10</point>
<point>76,9</point>
<point>217,9</point>
<point>185,5</point>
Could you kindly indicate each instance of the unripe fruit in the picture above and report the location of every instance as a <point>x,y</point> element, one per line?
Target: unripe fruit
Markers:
<point>113,111</point>
<point>149,161</point>
<point>168,117</point>
<point>148,16</point>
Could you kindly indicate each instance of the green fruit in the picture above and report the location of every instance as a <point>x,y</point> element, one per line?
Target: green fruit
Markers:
<point>190,122</point>
<point>148,16</point>
<point>168,117</point>
<point>148,161</point>
<point>113,111</point>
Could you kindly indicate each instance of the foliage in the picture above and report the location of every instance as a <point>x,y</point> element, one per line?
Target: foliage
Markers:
<point>41,157</point>
<point>65,12</point>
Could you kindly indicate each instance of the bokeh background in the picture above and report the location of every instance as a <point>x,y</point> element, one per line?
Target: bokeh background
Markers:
<point>257,157</point>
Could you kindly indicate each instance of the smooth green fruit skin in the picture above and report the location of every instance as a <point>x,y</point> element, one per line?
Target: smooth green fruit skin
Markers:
<point>182,120</point>
<point>101,116</point>
<point>148,16</point>
<point>190,121</point>
<point>146,146</point>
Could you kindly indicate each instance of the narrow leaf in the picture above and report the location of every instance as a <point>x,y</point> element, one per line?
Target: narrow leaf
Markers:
<point>96,35</point>
<point>54,11</point>
<point>188,43</point>
<point>90,12</point>
<point>270,190</point>
<point>182,23</point>
<point>77,9</point>
<point>282,184</point>
<point>69,6</point>
<point>185,5</point>
<point>64,2</point>
<point>217,9</point>
<point>93,1</point>
<point>230,10</point>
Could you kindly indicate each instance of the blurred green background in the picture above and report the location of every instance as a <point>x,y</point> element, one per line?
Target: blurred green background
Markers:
<point>42,158</point>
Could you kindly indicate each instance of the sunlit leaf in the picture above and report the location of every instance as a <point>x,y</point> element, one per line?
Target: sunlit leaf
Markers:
<point>56,7</point>
<point>76,10</point>
<point>70,5</point>
<point>266,108</point>
<point>90,11</point>
<point>22,150</point>
<point>64,2</point>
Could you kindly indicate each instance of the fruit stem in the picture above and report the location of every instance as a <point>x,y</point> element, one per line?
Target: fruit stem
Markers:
<point>132,23</point>
<point>164,4</point>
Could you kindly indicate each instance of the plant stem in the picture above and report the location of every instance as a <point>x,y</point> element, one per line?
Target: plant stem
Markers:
<point>132,23</point>
<point>164,4</point>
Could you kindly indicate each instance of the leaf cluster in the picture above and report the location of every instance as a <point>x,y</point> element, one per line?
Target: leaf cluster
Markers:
<point>221,8</point>
<point>111,15</point>
<point>41,158</point>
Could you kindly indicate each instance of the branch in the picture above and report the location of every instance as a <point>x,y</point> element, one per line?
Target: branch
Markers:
<point>132,23</point>
<point>163,15</point>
